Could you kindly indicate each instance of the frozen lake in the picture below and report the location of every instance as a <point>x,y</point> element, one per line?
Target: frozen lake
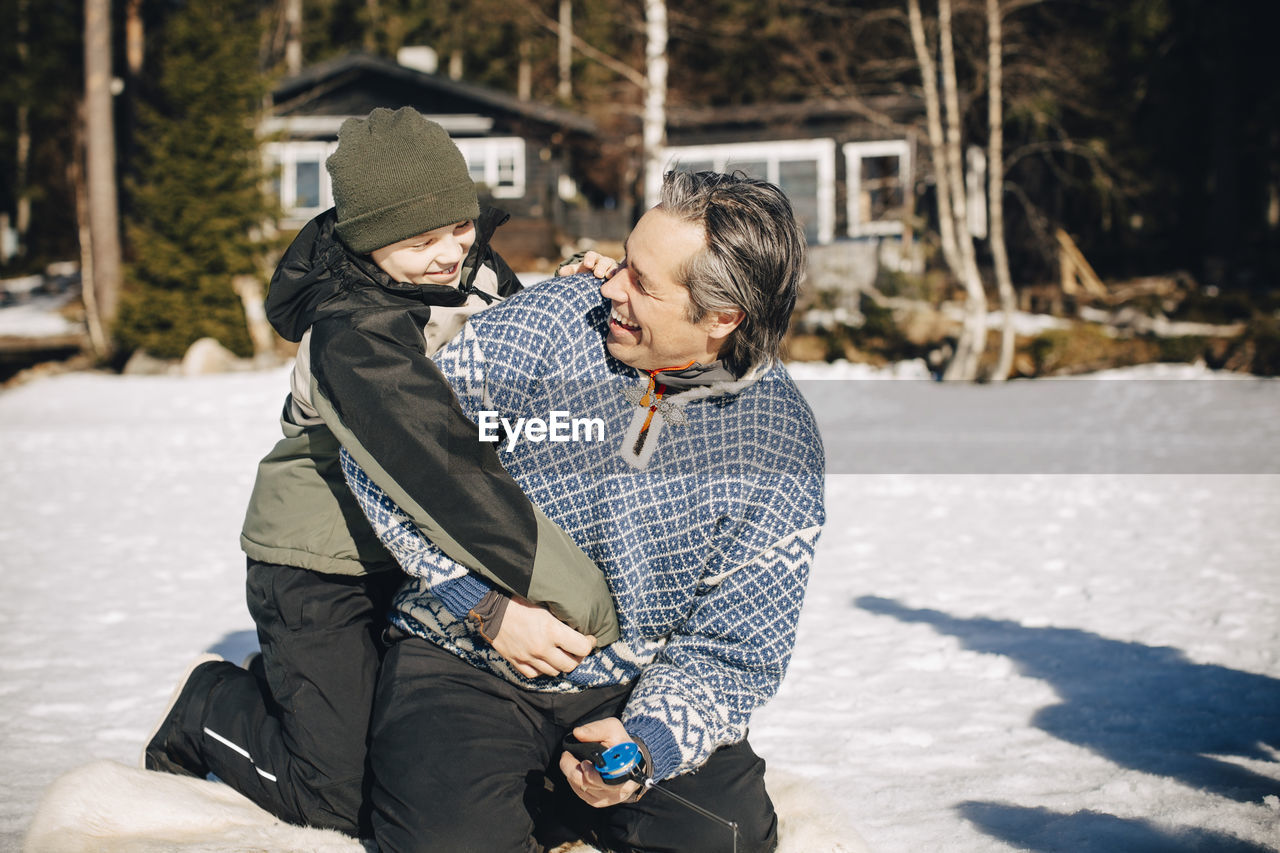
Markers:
<point>1044,616</point>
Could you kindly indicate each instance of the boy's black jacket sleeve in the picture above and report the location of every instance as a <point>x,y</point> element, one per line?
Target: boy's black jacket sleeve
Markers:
<point>394,412</point>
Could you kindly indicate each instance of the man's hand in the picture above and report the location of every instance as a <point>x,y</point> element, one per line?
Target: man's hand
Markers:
<point>583,776</point>
<point>595,263</point>
<point>537,643</point>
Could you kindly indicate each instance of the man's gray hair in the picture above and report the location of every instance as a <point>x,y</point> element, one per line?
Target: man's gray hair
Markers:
<point>754,258</point>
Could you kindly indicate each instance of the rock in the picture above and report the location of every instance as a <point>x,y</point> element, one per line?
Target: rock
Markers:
<point>143,363</point>
<point>207,356</point>
<point>922,325</point>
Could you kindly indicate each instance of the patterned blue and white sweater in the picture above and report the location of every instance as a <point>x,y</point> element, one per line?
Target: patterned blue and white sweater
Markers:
<point>705,531</point>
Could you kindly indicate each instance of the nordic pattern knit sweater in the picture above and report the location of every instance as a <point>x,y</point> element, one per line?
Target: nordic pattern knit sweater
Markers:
<point>704,527</point>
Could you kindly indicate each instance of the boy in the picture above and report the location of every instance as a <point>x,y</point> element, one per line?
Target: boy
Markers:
<point>370,289</point>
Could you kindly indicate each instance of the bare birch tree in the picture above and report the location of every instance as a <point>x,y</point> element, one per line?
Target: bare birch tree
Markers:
<point>995,190</point>
<point>100,159</point>
<point>973,333</point>
<point>946,144</point>
<point>655,98</point>
<point>937,144</point>
<point>652,83</point>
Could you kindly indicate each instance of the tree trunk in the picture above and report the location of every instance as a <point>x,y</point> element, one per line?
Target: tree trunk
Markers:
<point>23,154</point>
<point>292,37</point>
<point>373,26</point>
<point>135,37</point>
<point>564,91</point>
<point>933,115</point>
<point>104,211</point>
<point>655,98</point>
<point>973,334</point>
<point>249,289</point>
<point>75,176</point>
<point>22,223</point>
<point>524,73</point>
<point>1223,223</point>
<point>135,42</point>
<point>995,188</point>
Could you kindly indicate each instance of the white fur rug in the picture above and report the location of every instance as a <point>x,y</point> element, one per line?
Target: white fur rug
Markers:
<point>106,807</point>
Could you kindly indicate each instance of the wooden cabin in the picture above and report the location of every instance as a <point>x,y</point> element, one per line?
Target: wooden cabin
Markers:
<point>853,183</point>
<point>523,155</point>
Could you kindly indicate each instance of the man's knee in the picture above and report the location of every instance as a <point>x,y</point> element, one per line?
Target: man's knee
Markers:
<point>730,785</point>
<point>759,834</point>
<point>756,831</point>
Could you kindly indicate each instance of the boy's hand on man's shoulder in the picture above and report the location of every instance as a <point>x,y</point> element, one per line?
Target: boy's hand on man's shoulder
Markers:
<point>601,266</point>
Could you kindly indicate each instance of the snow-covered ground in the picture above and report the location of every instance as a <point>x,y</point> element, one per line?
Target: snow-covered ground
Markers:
<point>1045,616</point>
<point>31,306</point>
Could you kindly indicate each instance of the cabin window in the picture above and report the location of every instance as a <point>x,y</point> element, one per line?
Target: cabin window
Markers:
<point>301,181</point>
<point>805,169</point>
<point>879,175</point>
<point>307,184</point>
<point>497,163</point>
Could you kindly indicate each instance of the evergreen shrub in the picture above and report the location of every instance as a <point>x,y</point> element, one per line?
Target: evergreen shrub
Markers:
<point>196,204</point>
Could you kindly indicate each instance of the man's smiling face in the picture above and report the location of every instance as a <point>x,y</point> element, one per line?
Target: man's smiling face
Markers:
<point>649,326</point>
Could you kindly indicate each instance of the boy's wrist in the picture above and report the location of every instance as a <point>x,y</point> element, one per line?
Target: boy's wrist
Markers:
<point>486,616</point>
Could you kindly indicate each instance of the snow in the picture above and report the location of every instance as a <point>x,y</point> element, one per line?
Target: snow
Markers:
<point>30,306</point>
<point>38,318</point>
<point>842,369</point>
<point>1072,652</point>
<point>1024,323</point>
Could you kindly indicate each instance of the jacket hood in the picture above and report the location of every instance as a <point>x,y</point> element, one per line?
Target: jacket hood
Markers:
<point>317,267</point>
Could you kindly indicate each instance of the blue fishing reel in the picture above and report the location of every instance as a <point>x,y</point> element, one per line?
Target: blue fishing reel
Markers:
<point>615,764</point>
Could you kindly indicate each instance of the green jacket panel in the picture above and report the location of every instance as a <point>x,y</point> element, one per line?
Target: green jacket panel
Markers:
<point>302,514</point>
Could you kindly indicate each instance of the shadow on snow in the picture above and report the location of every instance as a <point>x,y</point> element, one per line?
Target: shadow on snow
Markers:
<point>236,646</point>
<point>1047,831</point>
<point>1142,707</point>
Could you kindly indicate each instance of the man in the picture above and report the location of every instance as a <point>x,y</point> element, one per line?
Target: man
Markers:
<point>702,506</point>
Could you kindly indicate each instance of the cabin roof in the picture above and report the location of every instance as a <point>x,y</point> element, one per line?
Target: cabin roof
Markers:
<point>340,85</point>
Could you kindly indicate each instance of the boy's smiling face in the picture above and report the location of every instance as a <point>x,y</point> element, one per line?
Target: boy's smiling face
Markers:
<point>434,257</point>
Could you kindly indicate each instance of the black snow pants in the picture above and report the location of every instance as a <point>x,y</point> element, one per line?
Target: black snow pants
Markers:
<point>293,735</point>
<point>466,762</point>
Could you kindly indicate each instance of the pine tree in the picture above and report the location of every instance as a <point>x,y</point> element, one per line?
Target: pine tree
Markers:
<point>198,201</point>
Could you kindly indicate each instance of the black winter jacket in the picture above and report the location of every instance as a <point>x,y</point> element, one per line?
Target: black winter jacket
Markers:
<point>382,398</point>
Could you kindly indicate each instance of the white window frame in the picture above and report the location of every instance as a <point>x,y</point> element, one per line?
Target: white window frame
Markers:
<point>722,157</point>
<point>486,154</point>
<point>854,152</point>
<point>285,156</point>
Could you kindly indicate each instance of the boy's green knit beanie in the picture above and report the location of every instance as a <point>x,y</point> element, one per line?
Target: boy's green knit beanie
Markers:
<point>396,175</point>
